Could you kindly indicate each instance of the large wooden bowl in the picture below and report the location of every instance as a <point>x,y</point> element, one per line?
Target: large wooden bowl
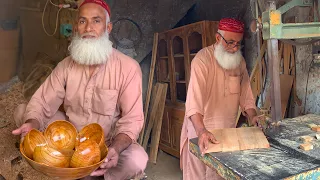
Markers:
<point>61,135</point>
<point>62,173</point>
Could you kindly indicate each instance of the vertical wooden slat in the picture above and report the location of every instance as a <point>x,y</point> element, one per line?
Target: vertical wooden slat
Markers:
<point>156,131</point>
<point>155,104</point>
<point>151,75</point>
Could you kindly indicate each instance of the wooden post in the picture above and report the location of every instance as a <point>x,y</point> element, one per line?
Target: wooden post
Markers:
<point>151,75</point>
<point>273,59</point>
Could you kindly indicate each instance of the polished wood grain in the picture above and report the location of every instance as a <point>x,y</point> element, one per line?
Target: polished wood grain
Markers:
<point>61,134</point>
<point>32,139</point>
<point>61,173</point>
<point>86,154</point>
<point>92,132</point>
<point>52,157</point>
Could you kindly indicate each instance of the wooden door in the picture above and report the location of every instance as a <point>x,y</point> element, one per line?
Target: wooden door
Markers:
<point>177,118</point>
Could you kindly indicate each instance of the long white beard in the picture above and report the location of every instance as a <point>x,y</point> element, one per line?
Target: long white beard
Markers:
<point>91,51</point>
<point>225,59</point>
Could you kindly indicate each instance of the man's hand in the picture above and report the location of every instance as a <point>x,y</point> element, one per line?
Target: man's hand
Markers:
<point>26,127</point>
<point>110,162</point>
<point>256,121</point>
<point>204,137</point>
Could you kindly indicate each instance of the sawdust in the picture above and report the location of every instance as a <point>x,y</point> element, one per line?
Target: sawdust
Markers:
<point>12,165</point>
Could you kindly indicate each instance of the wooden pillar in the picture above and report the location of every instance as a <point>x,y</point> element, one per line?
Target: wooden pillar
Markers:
<point>273,59</point>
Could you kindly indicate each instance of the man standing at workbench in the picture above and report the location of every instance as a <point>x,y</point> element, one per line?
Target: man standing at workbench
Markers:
<point>219,83</point>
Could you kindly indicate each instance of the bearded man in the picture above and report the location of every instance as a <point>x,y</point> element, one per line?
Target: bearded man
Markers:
<point>96,84</point>
<point>219,83</point>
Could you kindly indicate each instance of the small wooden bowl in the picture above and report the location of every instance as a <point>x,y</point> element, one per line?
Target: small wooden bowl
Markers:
<point>61,173</point>
<point>92,132</point>
<point>86,154</point>
<point>52,157</point>
<point>33,139</point>
<point>61,135</point>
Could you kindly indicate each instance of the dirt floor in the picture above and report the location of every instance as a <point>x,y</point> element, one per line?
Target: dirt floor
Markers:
<point>13,167</point>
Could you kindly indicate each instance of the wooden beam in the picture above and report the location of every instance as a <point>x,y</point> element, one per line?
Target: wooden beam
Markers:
<point>151,75</point>
<point>156,131</point>
<point>154,106</point>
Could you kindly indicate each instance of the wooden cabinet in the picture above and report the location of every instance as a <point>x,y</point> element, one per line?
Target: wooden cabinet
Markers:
<point>176,49</point>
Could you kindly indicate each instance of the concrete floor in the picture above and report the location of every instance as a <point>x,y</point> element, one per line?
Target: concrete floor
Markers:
<point>167,168</point>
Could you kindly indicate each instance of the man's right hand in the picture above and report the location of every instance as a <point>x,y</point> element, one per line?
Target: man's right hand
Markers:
<point>26,127</point>
<point>204,137</point>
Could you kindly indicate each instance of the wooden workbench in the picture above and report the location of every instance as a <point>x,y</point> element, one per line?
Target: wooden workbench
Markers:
<point>283,160</point>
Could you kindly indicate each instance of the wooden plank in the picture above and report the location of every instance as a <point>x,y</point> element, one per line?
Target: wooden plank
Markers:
<point>238,139</point>
<point>230,140</point>
<point>217,133</point>
<point>156,131</point>
<point>273,59</point>
<point>154,107</point>
<point>286,86</point>
<point>151,75</point>
<point>261,140</point>
<point>247,139</point>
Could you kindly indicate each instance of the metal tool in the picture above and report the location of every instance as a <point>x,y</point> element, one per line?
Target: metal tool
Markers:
<point>273,29</point>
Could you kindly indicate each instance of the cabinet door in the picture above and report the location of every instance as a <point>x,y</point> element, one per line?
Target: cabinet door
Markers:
<point>165,137</point>
<point>177,118</point>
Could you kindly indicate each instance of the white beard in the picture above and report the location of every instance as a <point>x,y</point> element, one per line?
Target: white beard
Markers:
<point>225,59</point>
<point>90,51</point>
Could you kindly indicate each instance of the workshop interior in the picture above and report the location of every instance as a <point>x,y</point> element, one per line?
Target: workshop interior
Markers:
<point>280,48</point>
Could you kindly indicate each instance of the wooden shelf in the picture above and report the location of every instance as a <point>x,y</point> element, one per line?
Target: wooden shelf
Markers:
<point>164,57</point>
<point>178,55</point>
<point>193,54</point>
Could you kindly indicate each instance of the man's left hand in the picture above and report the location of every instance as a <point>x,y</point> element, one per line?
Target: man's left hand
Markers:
<point>110,162</point>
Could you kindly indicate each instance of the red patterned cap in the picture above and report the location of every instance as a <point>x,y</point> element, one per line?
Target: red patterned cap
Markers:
<point>232,25</point>
<point>102,3</point>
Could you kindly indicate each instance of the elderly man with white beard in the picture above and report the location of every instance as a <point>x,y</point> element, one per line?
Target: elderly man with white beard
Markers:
<point>219,83</point>
<point>95,84</point>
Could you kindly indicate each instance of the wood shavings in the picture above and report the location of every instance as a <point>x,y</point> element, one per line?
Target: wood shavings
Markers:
<point>10,100</point>
<point>11,166</point>
<point>318,136</point>
<point>37,76</point>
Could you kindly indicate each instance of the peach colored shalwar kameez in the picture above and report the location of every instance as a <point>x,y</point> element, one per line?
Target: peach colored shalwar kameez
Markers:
<point>216,94</point>
<point>112,97</point>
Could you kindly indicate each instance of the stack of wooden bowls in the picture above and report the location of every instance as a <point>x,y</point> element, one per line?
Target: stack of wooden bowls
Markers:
<point>61,152</point>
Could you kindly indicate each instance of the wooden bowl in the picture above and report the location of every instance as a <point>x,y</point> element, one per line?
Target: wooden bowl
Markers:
<point>61,173</point>
<point>86,154</point>
<point>92,132</point>
<point>33,139</point>
<point>52,157</point>
<point>61,135</point>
